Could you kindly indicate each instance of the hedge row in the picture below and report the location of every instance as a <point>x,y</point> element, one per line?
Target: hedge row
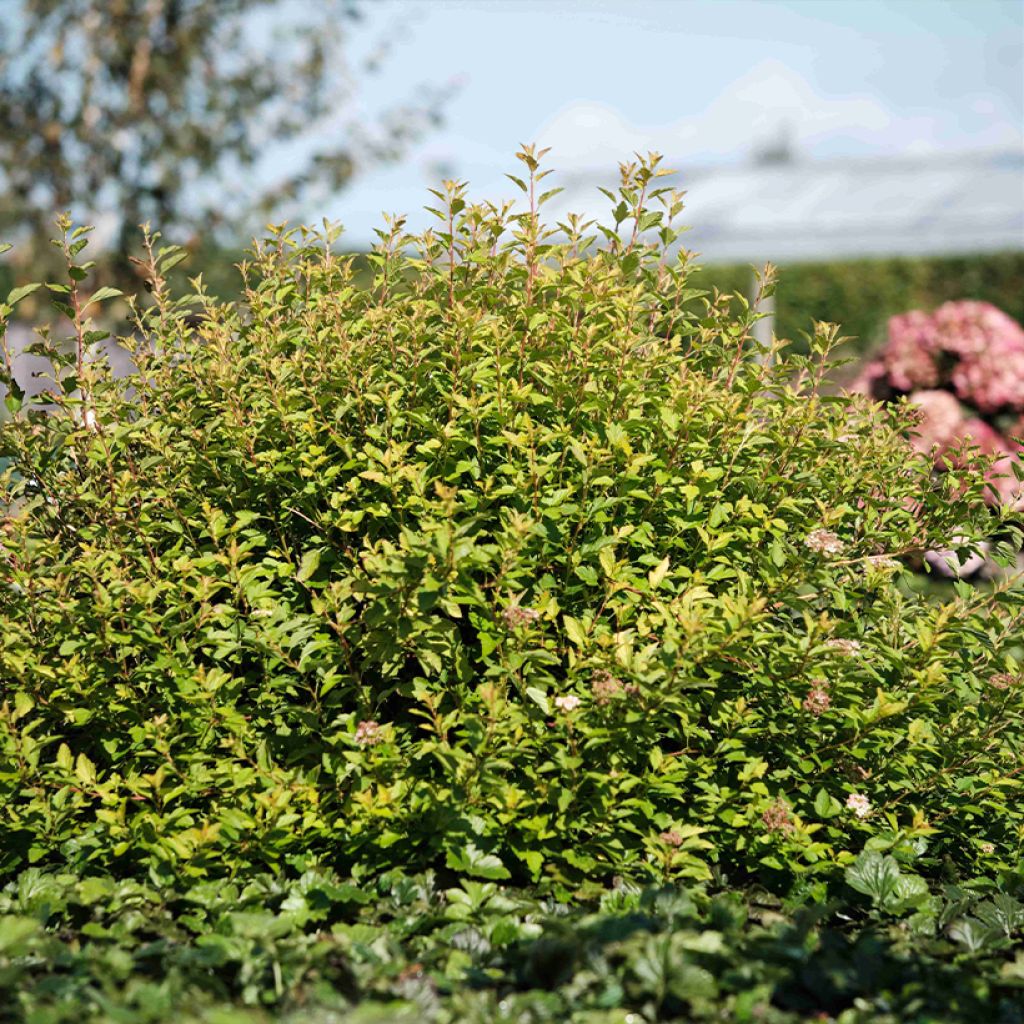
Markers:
<point>861,295</point>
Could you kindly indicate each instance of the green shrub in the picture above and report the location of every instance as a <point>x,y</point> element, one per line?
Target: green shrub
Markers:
<point>506,566</point>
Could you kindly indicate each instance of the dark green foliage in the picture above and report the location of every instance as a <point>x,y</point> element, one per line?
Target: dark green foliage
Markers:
<point>318,949</point>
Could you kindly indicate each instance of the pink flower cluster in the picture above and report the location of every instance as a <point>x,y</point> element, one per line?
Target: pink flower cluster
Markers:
<point>971,347</point>
<point>962,366</point>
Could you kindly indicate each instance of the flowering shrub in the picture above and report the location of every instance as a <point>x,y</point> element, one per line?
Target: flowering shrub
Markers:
<point>505,566</point>
<point>963,368</point>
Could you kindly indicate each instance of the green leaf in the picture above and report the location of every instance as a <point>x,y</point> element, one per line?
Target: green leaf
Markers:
<point>310,564</point>
<point>874,875</point>
<point>540,698</point>
<point>85,770</point>
<point>826,806</point>
<point>658,573</point>
<point>14,931</point>
<point>15,295</point>
<point>574,631</point>
<point>910,891</point>
<point>473,861</point>
<point>972,934</point>
<point>104,293</point>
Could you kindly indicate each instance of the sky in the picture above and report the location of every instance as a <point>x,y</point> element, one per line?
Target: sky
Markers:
<point>702,81</point>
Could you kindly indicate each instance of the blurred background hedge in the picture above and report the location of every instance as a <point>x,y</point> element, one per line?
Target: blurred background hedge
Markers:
<point>861,295</point>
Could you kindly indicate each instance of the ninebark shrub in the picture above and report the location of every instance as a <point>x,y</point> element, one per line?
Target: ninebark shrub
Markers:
<point>508,565</point>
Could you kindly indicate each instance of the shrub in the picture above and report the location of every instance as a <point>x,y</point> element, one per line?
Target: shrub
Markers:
<point>507,566</point>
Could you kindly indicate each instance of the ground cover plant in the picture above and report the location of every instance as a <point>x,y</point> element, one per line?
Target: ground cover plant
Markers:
<point>508,568</point>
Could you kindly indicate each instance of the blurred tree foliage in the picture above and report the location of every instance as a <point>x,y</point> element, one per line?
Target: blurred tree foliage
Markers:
<point>176,112</point>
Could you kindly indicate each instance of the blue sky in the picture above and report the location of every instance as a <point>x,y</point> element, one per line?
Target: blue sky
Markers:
<point>703,81</point>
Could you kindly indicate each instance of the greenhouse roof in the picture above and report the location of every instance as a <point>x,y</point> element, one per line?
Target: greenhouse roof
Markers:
<point>801,210</point>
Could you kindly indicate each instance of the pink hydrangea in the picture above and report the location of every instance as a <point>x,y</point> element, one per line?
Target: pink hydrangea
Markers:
<point>1003,486</point>
<point>991,380</point>
<point>947,563</point>
<point>978,434</point>
<point>969,327</point>
<point>986,346</point>
<point>941,415</point>
<point>909,355</point>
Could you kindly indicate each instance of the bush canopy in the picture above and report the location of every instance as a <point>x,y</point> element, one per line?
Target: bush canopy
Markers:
<point>509,566</point>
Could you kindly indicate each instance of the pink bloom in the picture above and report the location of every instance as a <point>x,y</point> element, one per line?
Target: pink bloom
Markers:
<point>568,704</point>
<point>908,356</point>
<point>940,416</point>
<point>369,734</point>
<point>1004,680</point>
<point>516,616</point>
<point>843,646</point>
<point>946,563</point>
<point>991,380</point>
<point>989,346</point>
<point>818,701</point>
<point>1003,486</point>
<point>969,327</point>
<point>605,686</point>
<point>883,563</point>
<point>977,433</point>
<point>776,817</point>
<point>671,838</point>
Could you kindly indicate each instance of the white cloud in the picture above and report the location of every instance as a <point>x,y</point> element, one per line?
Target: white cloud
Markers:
<point>752,111</point>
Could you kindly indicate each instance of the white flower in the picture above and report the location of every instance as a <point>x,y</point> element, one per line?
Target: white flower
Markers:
<point>883,563</point>
<point>859,804</point>
<point>825,542</point>
<point>848,647</point>
<point>568,704</point>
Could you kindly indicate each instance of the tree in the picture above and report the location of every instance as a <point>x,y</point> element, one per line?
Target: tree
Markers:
<point>172,111</point>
